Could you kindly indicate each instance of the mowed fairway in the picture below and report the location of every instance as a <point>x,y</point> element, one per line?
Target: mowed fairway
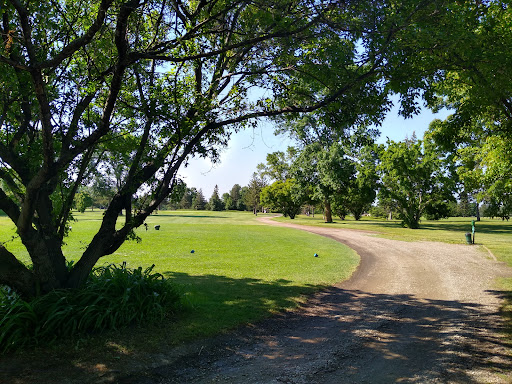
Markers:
<point>240,270</point>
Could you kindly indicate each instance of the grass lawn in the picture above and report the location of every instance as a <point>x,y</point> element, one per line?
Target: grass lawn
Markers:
<point>241,271</point>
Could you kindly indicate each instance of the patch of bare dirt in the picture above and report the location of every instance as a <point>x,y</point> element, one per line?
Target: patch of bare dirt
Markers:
<point>412,313</point>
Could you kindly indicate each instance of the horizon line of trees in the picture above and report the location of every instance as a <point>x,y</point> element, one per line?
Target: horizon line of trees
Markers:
<point>409,180</point>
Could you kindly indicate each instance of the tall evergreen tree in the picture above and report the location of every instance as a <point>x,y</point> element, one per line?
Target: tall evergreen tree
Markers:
<point>236,198</point>
<point>199,202</point>
<point>187,199</point>
<point>252,196</point>
<point>215,201</point>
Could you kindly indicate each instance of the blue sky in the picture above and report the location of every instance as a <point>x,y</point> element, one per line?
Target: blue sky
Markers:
<point>248,148</point>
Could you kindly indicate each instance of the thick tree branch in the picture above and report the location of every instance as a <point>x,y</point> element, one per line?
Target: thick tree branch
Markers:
<point>13,63</point>
<point>16,163</point>
<point>9,206</point>
<point>16,275</point>
<point>68,203</point>
<point>74,125</point>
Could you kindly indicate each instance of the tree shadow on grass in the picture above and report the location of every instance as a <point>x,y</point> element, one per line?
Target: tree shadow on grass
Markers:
<point>441,225</point>
<point>239,298</point>
<point>350,336</point>
<point>217,304</point>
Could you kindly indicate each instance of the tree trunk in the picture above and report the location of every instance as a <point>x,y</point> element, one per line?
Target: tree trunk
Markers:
<point>327,211</point>
<point>477,208</point>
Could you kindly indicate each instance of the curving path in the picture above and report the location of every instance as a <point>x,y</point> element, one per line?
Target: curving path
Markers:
<point>412,313</point>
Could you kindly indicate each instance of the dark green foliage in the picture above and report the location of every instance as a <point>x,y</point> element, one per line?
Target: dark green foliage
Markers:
<point>499,209</point>
<point>251,197</point>
<point>284,196</point>
<point>113,296</point>
<point>326,172</point>
<point>437,210</point>
<point>83,200</point>
<point>378,212</point>
<point>216,203</point>
<point>413,177</point>
<point>199,202</point>
<point>188,198</point>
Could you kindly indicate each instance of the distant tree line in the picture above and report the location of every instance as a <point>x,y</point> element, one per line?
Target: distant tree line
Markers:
<point>340,176</point>
<point>408,180</point>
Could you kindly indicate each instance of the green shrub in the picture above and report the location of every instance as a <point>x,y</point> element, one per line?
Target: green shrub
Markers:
<point>378,212</point>
<point>113,296</point>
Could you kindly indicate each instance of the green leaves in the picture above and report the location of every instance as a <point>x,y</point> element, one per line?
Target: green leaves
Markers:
<point>125,93</point>
<point>413,177</point>
<point>283,196</point>
<point>114,296</point>
<point>486,171</point>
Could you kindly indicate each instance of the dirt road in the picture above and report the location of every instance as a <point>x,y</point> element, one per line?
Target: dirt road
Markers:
<point>412,313</point>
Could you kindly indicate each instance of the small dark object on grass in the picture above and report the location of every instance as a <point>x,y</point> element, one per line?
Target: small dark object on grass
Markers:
<point>316,255</point>
<point>192,251</point>
<point>157,227</point>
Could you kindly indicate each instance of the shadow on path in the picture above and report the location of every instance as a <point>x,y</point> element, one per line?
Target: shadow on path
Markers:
<point>349,336</point>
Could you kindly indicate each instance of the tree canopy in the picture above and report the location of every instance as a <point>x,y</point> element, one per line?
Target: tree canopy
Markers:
<point>131,89</point>
<point>284,196</point>
<point>128,90</point>
<point>414,177</point>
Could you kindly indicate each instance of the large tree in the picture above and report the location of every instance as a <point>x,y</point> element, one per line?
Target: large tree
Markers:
<point>490,168</point>
<point>215,202</point>
<point>199,202</point>
<point>252,194</point>
<point>414,177</point>
<point>172,77</point>
<point>325,173</point>
<point>286,197</point>
<point>82,201</point>
<point>465,66</point>
<point>362,189</point>
<point>187,198</point>
<point>236,198</point>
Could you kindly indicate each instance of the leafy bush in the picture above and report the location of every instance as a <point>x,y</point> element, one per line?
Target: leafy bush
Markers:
<point>378,212</point>
<point>113,296</point>
<point>437,210</point>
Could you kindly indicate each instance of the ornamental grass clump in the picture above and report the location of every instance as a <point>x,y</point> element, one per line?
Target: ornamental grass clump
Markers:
<point>113,296</point>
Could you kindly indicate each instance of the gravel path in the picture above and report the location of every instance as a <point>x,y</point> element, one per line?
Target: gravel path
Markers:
<point>419,312</point>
